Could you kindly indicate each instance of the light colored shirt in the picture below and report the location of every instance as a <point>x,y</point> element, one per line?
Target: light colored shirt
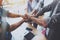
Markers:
<point>4,25</point>
<point>4,14</point>
<point>31,5</point>
<point>34,5</point>
<point>3,17</point>
<point>38,6</point>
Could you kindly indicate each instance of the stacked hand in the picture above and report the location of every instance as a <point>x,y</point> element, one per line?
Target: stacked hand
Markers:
<point>26,17</point>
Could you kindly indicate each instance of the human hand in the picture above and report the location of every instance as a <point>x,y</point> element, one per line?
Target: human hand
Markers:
<point>27,18</point>
<point>34,12</point>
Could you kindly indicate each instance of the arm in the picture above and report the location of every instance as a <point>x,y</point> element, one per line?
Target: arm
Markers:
<point>38,21</point>
<point>12,15</point>
<point>16,25</point>
<point>53,21</point>
<point>47,8</point>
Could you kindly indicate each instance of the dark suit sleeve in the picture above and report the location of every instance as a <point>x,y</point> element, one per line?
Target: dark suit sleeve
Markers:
<point>46,8</point>
<point>54,22</point>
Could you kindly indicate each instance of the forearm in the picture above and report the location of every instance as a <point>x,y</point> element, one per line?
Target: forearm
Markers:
<point>38,21</point>
<point>16,25</point>
<point>12,15</point>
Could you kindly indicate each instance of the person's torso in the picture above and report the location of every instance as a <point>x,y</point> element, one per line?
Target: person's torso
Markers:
<point>54,26</point>
<point>4,26</point>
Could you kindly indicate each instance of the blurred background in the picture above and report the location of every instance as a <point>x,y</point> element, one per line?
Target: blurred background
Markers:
<point>18,6</point>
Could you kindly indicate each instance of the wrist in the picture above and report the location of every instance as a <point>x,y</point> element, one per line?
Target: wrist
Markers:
<point>31,17</point>
<point>21,15</point>
<point>23,20</point>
